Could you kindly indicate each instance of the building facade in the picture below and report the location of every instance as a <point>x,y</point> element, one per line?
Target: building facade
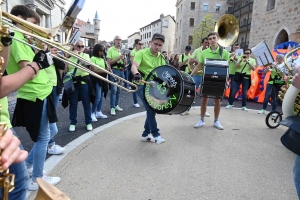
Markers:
<point>51,12</point>
<point>190,13</point>
<point>164,25</point>
<point>132,38</point>
<point>274,21</point>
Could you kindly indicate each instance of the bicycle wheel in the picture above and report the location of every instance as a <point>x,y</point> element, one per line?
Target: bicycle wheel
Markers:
<point>273,119</point>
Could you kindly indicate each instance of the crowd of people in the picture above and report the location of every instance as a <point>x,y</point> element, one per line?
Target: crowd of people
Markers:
<point>41,80</point>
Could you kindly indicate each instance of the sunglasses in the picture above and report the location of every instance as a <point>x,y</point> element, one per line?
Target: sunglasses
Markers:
<point>141,44</point>
<point>80,46</point>
<point>156,44</point>
<point>212,38</point>
<point>101,50</point>
<point>247,53</point>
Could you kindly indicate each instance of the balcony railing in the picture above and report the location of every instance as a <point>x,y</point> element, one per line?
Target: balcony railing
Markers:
<point>239,5</point>
<point>245,23</point>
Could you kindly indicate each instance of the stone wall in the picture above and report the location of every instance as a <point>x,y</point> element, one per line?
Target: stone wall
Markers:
<point>274,25</point>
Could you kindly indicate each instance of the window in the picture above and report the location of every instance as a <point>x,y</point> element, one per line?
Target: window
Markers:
<point>176,42</point>
<point>218,7</point>
<point>205,7</point>
<point>150,34</point>
<point>165,23</point>
<point>177,10</point>
<point>193,5</point>
<point>180,24</point>
<point>176,26</point>
<point>191,22</point>
<point>244,22</point>
<point>270,5</point>
<point>179,41</point>
<point>190,40</point>
<point>181,8</point>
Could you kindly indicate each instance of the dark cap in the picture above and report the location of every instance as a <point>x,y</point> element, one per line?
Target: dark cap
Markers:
<point>188,48</point>
<point>158,36</point>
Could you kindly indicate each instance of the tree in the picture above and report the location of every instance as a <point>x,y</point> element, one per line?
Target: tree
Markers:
<point>202,30</point>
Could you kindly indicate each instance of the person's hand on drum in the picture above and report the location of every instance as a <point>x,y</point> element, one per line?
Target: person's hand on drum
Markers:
<point>296,79</point>
<point>137,77</point>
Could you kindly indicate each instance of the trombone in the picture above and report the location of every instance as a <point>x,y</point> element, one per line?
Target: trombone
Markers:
<point>46,36</point>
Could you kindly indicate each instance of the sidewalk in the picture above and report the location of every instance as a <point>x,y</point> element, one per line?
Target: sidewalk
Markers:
<point>244,161</point>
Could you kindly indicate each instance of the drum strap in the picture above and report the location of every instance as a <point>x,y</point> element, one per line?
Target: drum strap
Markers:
<point>220,51</point>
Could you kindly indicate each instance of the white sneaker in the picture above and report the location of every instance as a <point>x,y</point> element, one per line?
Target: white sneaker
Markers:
<point>245,108</point>
<point>148,138</point>
<point>72,128</point>
<point>185,113</point>
<point>89,127</point>
<point>269,103</point>
<point>262,111</point>
<point>229,106</point>
<point>100,115</point>
<point>136,105</point>
<point>56,149</point>
<point>218,125</point>
<point>94,119</point>
<point>113,111</point>
<point>118,108</point>
<point>32,186</point>
<point>199,124</point>
<point>29,170</point>
<point>207,114</point>
<point>159,140</point>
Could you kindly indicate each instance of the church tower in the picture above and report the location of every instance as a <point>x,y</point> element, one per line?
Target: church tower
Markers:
<point>97,25</point>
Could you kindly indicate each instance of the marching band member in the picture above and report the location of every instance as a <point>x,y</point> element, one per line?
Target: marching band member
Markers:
<point>244,65</point>
<point>213,52</point>
<point>232,61</point>
<point>117,62</point>
<point>33,98</point>
<point>144,62</point>
<point>184,59</point>
<point>272,89</point>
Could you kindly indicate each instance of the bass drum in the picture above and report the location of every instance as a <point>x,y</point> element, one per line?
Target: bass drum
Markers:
<point>170,91</point>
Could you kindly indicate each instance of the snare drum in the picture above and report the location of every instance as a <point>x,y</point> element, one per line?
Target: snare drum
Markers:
<point>170,92</point>
<point>215,77</point>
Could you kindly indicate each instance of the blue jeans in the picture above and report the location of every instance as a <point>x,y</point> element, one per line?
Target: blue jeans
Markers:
<point>235,86</point>
<point>271,90</point>
<point>135,100</point>
<point>98,99</point>
<point>55,97</point>
<point>126,75</point>
<point>296,174</point>
<point>37,155</point>
<point>198,80</point>
<point>114,90</point>
<point>150,125</point>
<point>21,179</point>
<point>83,91</point>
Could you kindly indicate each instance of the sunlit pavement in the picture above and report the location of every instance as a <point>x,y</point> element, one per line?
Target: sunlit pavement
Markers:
<point>244,161</point>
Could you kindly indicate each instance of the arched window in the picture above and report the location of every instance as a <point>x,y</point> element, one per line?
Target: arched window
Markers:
<point>281,37</point>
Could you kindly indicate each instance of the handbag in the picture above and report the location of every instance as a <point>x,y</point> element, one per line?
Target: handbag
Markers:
<point>68,81</point>
<point>291,138</point>
<point>238,76</point>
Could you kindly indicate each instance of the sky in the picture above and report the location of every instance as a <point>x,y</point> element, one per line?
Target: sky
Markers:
<point>124,17</point>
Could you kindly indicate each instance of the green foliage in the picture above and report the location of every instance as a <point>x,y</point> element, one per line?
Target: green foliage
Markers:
<point>202,30</point>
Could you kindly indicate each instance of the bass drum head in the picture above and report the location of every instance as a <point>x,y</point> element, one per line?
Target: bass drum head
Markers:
<point>165,91</point>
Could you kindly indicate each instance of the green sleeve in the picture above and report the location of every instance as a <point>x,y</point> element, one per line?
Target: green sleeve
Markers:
<point>21,52</point>
<point>132,53</point>
<point>109,53</point>
<point>225,55</point>
<point>180,58</point>
<point>201,59</point>
<point>138,57</point>
<point>194,55</point>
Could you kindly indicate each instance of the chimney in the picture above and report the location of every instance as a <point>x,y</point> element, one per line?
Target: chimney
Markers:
<point>162,16</point>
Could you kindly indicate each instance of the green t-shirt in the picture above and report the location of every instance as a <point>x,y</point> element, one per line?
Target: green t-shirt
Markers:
<point>247,69</point>
<point>274,73</point>
<point>99,62</point>
<point>147,61</point>
<point>133,52</point>
<point>208,53</point>
<point>4,116</point>
<point>39,87</point>
<point>232,68</point>
<point>183,57</point>
<point>113,53</point>
<point>196,54</point>
<point>79,72</point>
<point>52,74</point>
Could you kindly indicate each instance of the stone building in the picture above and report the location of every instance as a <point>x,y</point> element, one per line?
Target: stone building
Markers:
<point>189,13</point>
<point>132,38</point>
<point>51,12</point>
<point>164,25</point>
<point>274,21</point>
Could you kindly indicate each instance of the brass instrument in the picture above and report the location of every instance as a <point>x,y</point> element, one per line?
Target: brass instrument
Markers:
<point>290,94</point>
<point>232,55</point>
<point>46,36</point>
<point>228,29</point>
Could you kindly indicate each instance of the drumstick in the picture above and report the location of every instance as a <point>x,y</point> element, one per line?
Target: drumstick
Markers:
<point>151,83</point>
